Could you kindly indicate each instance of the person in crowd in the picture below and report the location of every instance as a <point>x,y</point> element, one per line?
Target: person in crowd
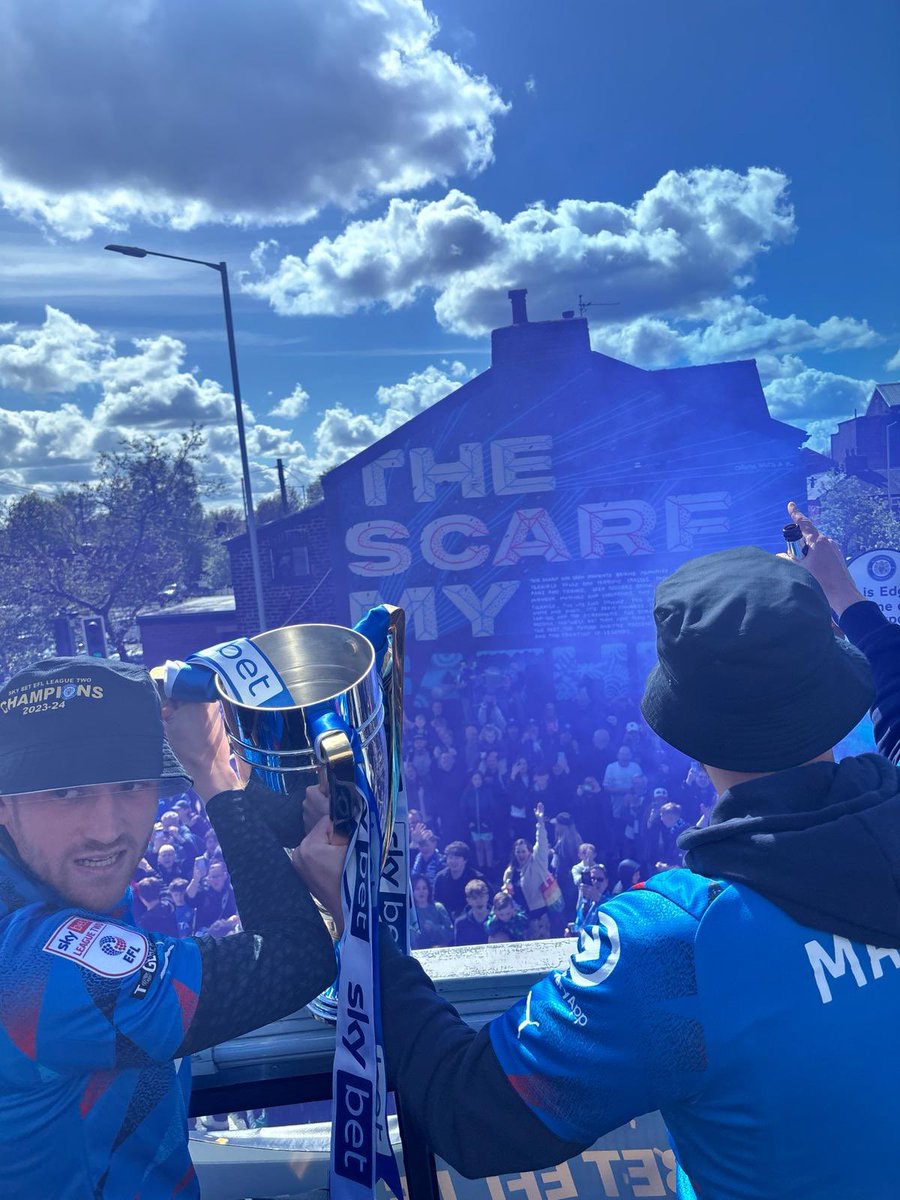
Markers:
<point>429,860</point>
<point>450,883</point>
<point>168,865</point>
<point>491,739</point>
<point>154,912</point>
<point>493,765</point>
<point>563,857</point>
<point>490,714</point>
<point>470,929</point>
<point>560,786</point>
<point>620,780</point>
<point>212,897</point>
<point>191,816</point>
<point>100,1017</point>
<point>594,811</point>
<point>531,746</point>
<point>663,833</point>
<point>598,755</point>
<point>477,804</point>
<point>698,791</point>
<point>433,924</point>
<point>184,912</point>
<point>707,804</point>
<point>520,799</point>
<point>471,748</point>
<point>212,851</point>
<point>580,713</point>
<point>415,792</point>
<point>421,758</point>
<point>587,856</point>
<point>416,824</point>
<point>570,748</point>
<point>447,783</point>
<point>525,879</point>
<point>632,826</point>
<point>628,873</point>
<point>506,916</point>
<point>540,785</point>
<point>593,892</point>
<point>187,845</point>
<point>753,684</point>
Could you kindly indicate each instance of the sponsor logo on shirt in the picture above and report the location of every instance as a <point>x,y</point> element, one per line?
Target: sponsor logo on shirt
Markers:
<point>100,946</point>
<point>148,972</point>
<point>597,954</point>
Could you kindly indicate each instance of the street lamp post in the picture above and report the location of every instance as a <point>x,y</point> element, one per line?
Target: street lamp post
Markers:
<point>222,268</point>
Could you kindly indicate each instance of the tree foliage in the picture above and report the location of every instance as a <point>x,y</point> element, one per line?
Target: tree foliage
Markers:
<point>108,547</point>
<point>856,515</point>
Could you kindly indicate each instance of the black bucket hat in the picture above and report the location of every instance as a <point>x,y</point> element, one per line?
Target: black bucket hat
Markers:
<point>67,722</point>
<point>751,676</point>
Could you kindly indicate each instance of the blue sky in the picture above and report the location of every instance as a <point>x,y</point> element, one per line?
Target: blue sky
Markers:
<point>378,172</point>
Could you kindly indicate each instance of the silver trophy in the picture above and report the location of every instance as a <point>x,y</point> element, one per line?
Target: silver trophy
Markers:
<point>328,669</point>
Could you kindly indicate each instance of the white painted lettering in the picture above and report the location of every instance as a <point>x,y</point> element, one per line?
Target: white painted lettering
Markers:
<point>531,532</point>
<point>513,460</point>
<point>467,471</point>
<point>687,516</point>
<point>481,613</point>
<point>374,479</point>
<point>388,559</point>
<point>624,523</point>
<point>435,551</point>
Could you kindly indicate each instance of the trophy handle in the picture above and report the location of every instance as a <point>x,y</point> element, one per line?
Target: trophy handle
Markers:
<point>392,684</point>
<point>335,753</point>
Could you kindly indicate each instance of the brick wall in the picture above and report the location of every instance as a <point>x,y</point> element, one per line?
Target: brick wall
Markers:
<point>310,598</point>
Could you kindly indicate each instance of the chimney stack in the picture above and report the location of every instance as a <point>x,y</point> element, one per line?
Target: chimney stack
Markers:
<point>519,312</point>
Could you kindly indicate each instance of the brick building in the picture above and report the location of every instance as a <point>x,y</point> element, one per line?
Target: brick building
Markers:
<point>533,510</point>
<point>867,442</point>
<point>295,561</point>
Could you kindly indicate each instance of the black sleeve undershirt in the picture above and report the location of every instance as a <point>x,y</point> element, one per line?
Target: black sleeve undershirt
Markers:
<point>451,1081</point>
<point>284,957</point>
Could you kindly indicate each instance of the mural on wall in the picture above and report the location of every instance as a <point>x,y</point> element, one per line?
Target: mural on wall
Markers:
<point>539,505</point>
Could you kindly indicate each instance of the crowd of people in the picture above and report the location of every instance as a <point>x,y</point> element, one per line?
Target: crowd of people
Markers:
<point>181,886</point>
<point>526,814</point>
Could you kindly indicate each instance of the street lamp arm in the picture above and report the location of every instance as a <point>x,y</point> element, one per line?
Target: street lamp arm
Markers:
<point>140,252</point>
<point>222,268</point>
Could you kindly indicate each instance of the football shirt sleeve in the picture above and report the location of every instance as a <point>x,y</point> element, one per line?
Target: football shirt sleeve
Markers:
<point>614,1032</point>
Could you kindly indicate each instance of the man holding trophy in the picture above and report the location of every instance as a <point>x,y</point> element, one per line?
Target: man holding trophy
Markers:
<point>749,999</point>
<point>97,1018</point>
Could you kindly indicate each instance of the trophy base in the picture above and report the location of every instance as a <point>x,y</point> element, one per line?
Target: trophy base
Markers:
<point>325,1006</point>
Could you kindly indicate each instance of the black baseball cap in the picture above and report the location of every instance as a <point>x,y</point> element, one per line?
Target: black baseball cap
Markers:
<point>71,722</point>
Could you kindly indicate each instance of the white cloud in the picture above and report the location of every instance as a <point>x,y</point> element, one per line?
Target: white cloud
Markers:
<point>182,114</point>
<point>689,239</point>
<point>810,398</point>
<point>291,406</point>
<point>723,329</point>
<point>59,356</point>
<point>893,363</point>
<point>342,433</point>
<point>149,390</point>
<point>39,447</point>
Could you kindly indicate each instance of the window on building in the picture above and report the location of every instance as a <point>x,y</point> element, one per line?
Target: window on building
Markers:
<point>290,560</point>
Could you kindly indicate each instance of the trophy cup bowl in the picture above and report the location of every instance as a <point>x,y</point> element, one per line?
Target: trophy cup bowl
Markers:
<point>331,672</point>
